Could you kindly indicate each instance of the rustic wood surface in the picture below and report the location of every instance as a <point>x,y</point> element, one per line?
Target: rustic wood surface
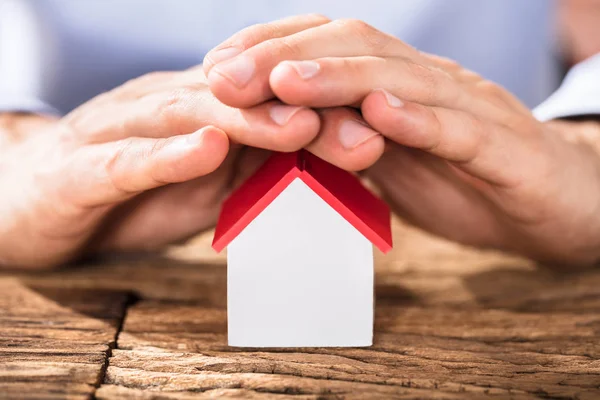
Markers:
<point>451,323</point>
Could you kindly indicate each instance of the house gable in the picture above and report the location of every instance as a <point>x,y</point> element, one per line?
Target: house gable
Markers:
<point>300,275</point>
<point>340,189</point>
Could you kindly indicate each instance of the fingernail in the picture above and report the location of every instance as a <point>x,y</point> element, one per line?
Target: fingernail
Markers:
<point>305,69</point>
<point>238,70</point>
<point>281,114</point>
<point>352,134</point>
<point>220,55</point>
<point>392,100</point>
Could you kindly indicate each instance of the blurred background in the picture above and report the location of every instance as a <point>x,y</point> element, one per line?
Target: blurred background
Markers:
<point>56,54</point>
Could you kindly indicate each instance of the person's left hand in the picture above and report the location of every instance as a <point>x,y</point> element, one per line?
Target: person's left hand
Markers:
<point>466,159</point>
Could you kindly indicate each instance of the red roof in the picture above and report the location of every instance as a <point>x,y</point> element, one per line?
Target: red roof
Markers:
<point>340,189</point>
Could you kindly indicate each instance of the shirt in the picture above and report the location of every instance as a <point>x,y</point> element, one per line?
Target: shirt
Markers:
<point>57,54</point>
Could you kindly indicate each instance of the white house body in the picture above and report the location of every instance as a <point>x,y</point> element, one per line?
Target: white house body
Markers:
<point>300,275</point>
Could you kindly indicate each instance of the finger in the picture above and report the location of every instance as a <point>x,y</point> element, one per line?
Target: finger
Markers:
<point>122,169</point>
<point>159,217</point>
<point>272,125</point>
<point>255,34</point>
<point>485,150</point>
<point>346,140</point>
<point>243,81</point>
<point>475,80</point>
<point>348,80</point>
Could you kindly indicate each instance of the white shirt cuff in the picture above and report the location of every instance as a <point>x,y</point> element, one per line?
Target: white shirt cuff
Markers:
<point>26,104</point>
<point>579,94</point>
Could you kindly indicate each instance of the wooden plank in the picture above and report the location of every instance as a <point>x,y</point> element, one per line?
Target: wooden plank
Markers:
<point>55,343</point>
<point>433,350</point>
<point>45,391</point>
<point>116,392</point>
<point>151,276</point>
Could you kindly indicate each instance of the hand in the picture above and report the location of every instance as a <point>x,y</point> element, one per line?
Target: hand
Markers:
<point>465,159</point>
<point>135,168</point>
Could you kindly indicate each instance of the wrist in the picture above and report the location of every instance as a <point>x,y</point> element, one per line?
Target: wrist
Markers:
<point>582,130</point>
<point>14,127</point>
<point>579,192</point>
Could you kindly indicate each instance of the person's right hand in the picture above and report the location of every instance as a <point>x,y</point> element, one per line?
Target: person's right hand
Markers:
<point>97,178</point>
<point>463,157</point>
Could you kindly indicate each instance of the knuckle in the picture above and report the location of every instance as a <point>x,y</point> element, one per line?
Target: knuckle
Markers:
<point>525,126</point>
<point>112,165</point>
<point>136,86</point>
<point>282,48</point>
<point>489,88</point>
<point>378,42</point>
<point>145,80</point>
<point>157,146</point>
<point>452,65</point>
<point>372,37</point>
<point>465,75</point>
<point>437,85</point>
<point>480,134</point>
<point>349,66</point>
<point>255,34</point>
<point>426,77</point>
<point>194,87</point>
<point>319,17</point>
<point>123,150</point>
<point>155,76</point>
<point>443,62</point>
<point>172,111</point>
<point>355,25</point>
<point>436,127</point>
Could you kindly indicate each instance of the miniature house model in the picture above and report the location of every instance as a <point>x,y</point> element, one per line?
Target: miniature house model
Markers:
<point>300,235</point>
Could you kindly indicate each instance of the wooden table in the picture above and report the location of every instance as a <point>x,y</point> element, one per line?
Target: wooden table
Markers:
<point>451,323</point>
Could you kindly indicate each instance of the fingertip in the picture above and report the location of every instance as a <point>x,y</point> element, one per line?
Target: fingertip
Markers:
<point>212,135</point>
<point>375,103</point>
<point>229,93</point>
<point>354,160</point>
<point>346,141</point>
<point>364,155</point>
<point>237,83</point>
<point>289,81</point>
<point>193,155</point>
<point>368,153</point>
<point>220,86</point>
<point>390,115</point>
<point>213,144</point>
<point>301,129</point>
<point>217,55</point>
<point>281,78</point>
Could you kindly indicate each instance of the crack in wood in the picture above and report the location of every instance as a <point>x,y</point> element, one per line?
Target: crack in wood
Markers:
<point>130,300</point>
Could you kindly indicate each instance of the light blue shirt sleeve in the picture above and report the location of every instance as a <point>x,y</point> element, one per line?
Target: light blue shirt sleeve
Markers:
<point>579,94</point>
<point>19,61</point>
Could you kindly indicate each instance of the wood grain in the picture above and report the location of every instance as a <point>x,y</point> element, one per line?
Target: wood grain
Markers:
<point>451,323</point>
<point>55,343</point>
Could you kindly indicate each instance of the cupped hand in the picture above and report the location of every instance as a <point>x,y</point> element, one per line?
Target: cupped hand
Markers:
<point>145,164</point>
<point>465,159</point>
